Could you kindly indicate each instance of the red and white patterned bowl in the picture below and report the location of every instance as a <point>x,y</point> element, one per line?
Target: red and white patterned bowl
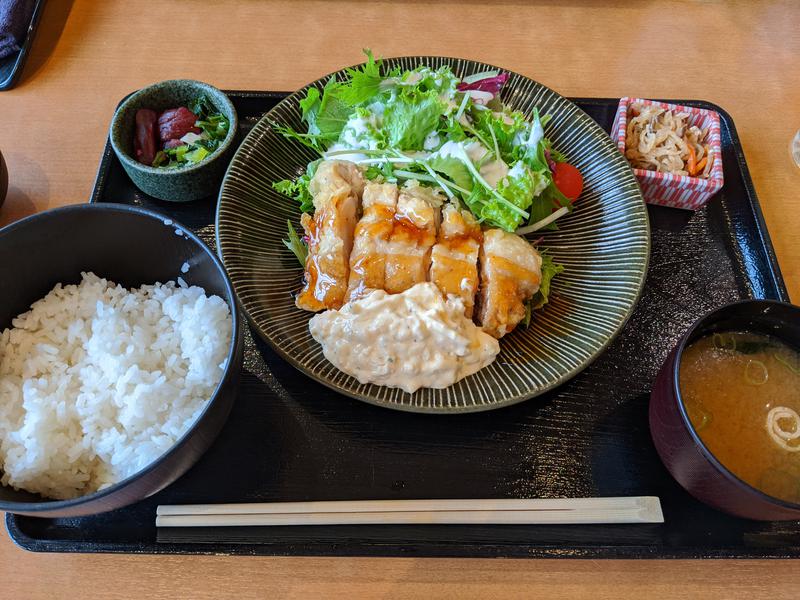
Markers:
<point>666,189</point>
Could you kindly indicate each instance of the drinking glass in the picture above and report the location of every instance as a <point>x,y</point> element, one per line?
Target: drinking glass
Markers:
<point>794,148</point>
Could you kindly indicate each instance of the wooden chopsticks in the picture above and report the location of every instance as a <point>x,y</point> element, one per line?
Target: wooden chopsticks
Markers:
<point>560,511</point>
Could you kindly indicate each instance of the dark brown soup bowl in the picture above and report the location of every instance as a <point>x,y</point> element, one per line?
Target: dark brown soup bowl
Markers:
<point>130,246</point>
<point>679,446</point>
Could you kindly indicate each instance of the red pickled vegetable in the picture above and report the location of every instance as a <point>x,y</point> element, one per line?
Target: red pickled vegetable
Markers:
<point>172,144</point>
<point>174,123</point>
<point>493,85</point>
<point>144,139</point>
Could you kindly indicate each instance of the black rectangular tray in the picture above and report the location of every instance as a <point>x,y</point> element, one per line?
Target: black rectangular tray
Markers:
<point>291,439</point>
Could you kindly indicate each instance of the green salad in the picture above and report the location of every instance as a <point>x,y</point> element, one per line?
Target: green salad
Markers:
<point>455,134</point>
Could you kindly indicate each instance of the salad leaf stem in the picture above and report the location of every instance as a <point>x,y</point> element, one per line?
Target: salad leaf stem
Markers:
<point>496,145</point>
<point>480,138</point>
<point>543,222</point>
<point>475,77</point>
<point>430,179</point>
<point>438,180</point>
<point>462,107</point>
<point>462,155</point>
<point>412,175</point>
<point>384,159</point>
<point>367,151</point>
<point>307,139</point>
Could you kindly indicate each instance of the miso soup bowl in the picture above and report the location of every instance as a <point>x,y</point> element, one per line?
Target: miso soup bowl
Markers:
<point>678,444</point>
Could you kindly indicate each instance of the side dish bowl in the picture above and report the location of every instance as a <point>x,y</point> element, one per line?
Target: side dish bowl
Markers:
<point>182,184</point>
<point>130,246</point>
<point>667,189</point>
<point>682,451</point>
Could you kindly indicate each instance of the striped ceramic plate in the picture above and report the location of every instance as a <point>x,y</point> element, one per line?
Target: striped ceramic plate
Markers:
<point>604,245</point>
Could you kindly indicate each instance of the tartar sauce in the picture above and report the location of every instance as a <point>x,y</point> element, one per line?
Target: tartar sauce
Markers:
<point>410,340</point>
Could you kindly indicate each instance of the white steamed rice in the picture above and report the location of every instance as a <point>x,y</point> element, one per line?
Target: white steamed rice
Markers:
<point>96,381</point>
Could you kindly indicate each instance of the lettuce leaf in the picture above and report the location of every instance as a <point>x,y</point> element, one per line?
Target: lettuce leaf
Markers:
<point>416,106</point>
<point>533,152</point>
<point>533,146</point>
<point>504,127</point>
<point>476,201</point>
<point>549,270</point>
<point>363,130</point>
<point>451,130</point>
<point>297,188</point>
<point>423,80</point>
<point>452,168</point>
<point>518,188</point>
<point>310,107</point>
<point>327,113</point>
<point>408,119</point>
<point>333,113</point>
<point>549,200</point>
<point>325,118</point>
<point>517,191</point>
<point>364,83</point>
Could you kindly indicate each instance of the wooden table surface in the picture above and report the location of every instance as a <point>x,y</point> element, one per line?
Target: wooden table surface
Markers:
<point>744,56</point>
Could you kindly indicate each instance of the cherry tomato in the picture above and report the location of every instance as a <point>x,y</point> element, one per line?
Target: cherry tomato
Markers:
<point>568,180</point>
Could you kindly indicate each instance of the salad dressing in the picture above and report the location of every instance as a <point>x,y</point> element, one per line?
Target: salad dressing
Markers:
<point>494,172</point>
<point>432,141</point>
<point>377,108</point>
<point>475,150</point>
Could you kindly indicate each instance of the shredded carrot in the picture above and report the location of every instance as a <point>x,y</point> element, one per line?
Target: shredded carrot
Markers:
<point>691,165</point>
<point>701,164</point>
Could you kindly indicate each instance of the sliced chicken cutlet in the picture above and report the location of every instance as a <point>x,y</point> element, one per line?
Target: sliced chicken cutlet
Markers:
<point>336,188</point>
<point>454,258</point>
<point>408,251</point>
<point>511,271</point>
<point>368,258</point>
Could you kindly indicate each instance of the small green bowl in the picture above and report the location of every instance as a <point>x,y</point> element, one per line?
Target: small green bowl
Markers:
<point>181,184</point>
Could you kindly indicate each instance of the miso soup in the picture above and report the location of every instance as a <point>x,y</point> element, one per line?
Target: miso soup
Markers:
<point>742,394</point>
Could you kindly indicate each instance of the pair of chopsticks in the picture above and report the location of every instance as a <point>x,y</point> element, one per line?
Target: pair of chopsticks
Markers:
<point>562,511</point>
